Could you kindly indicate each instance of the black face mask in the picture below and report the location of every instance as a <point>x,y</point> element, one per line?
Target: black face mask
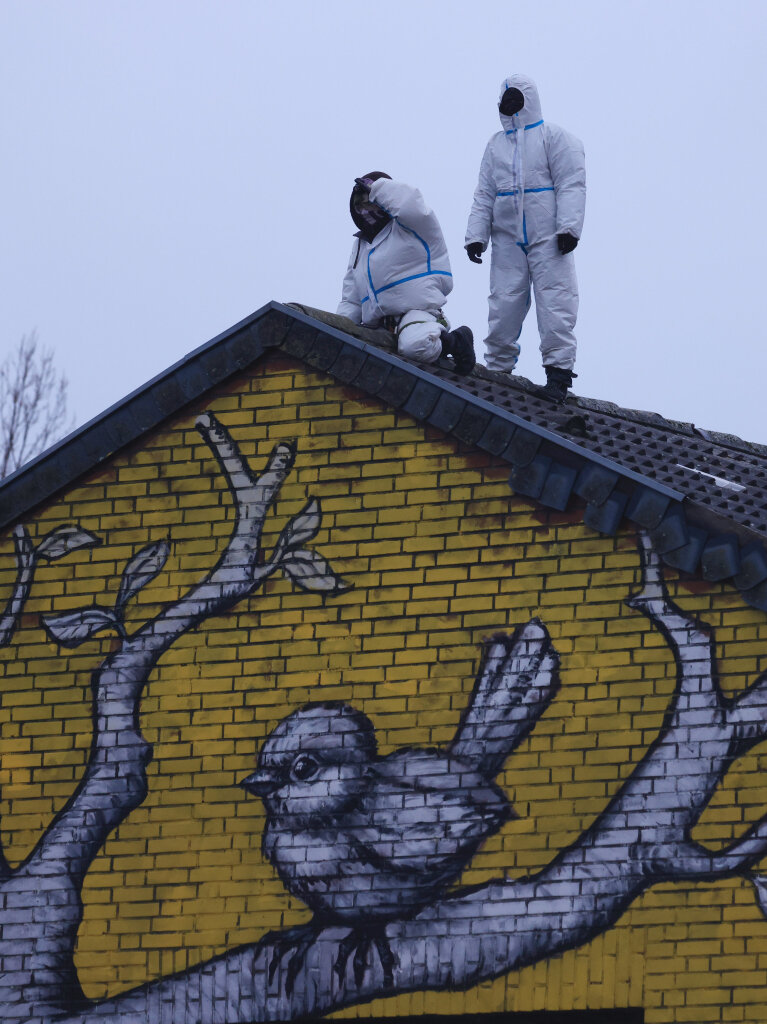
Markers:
<point>512,102</point>
<point>367,216</point>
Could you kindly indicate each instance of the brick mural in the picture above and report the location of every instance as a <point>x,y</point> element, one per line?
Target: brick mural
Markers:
<point>304,711</point>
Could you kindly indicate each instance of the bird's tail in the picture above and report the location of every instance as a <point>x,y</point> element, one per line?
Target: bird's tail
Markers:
<point>516,682</point>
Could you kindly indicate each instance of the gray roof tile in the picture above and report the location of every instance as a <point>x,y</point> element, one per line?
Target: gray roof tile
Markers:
<point>686,558</point>
<point>606,517</point>
<point>558,486</point>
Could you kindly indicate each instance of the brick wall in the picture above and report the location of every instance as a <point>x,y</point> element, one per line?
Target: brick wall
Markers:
<point>440,554</point>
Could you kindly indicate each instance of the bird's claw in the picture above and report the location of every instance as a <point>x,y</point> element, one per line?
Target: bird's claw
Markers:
<point>360,944</point>
<point>295,943</point>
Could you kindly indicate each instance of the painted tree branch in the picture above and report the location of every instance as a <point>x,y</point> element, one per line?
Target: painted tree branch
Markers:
<point>115,780</point>
<point>36,960</point>
<point>641,838</point>
<point>25,571</point>
<point>54,545</point>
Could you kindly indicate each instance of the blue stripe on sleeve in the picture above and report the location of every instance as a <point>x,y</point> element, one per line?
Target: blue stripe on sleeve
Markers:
<point>414,277</point>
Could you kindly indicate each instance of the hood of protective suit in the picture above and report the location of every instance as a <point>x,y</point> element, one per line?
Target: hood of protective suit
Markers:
<point>531,112</point>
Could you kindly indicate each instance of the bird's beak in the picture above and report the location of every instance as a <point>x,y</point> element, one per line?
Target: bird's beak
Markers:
<point>261,783</point>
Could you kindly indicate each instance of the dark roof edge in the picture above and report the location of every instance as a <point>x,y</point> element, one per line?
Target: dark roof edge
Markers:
<point>99,418</point>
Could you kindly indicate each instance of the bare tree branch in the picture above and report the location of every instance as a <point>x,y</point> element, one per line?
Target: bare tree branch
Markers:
<point>33,404</point>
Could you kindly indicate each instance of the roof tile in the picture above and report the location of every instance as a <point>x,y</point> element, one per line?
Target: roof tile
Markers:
<point>447,412</point>
<point>595,483</point>
<point>720,558</point>
<point>348,364</point>
<point>607,515</point>
<point>529,479</point>
<point>687,556</point>
<point>496,435</point>
<point>299,340</point>
<point>671,532</point>
<point>422,400</point>
<point>753,566</point>
<point>558,487</point>
<point>324,351</point>
<point>397,387</point>
<point>522,448</point>
<point>647,508</point>
<point>373,374</point>
<point>471,425</point>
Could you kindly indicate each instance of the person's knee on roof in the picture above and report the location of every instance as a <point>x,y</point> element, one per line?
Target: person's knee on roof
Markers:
<point>399,272</point>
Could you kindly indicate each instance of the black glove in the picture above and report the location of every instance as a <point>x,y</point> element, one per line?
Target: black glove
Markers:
<point>474,251</point>
<point>566,243</point>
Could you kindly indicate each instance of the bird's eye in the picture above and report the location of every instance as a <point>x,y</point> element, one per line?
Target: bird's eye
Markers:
<point>303,768</point>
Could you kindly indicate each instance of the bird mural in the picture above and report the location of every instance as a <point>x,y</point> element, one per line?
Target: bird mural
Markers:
<point>364,839</point>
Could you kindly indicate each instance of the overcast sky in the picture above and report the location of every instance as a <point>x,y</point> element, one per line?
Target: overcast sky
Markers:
<point>168,166</point>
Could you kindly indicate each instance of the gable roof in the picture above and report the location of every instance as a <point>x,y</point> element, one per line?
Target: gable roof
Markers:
<point>701,495</point>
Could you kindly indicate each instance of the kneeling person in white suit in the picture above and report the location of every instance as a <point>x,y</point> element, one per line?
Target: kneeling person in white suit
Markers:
<point>529,202</point>
<point>399,272</point>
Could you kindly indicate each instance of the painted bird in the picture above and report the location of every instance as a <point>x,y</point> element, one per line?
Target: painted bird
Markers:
<point>364,839</point>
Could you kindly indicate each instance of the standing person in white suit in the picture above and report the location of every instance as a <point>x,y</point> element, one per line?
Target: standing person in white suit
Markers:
<point>530,201</point>
<point>399,272</point>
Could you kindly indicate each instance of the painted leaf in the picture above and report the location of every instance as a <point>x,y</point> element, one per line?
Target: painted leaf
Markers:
<point>72,628</point>
<point>305,525</point>
<point>140,570</point>
<point>760,884</point>
<point>63,539</point>
<point>310,571</point>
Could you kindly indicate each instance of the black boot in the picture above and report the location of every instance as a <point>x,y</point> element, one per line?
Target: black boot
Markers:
<point>557,383</point>
<point>460,345</point>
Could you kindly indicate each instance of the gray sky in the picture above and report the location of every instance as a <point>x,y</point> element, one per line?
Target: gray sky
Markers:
<point>171,165</point>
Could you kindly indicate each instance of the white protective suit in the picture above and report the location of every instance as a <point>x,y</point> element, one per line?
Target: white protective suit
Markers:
<point>531,188</point>
<point>403,272</point>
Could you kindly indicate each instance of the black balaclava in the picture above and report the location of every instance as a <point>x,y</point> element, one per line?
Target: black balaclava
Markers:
<point>368,217</point>
<point>512,102</point>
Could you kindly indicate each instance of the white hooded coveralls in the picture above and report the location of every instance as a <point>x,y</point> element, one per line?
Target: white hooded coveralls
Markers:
<point>531,188</point>
<point>403,272</point>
